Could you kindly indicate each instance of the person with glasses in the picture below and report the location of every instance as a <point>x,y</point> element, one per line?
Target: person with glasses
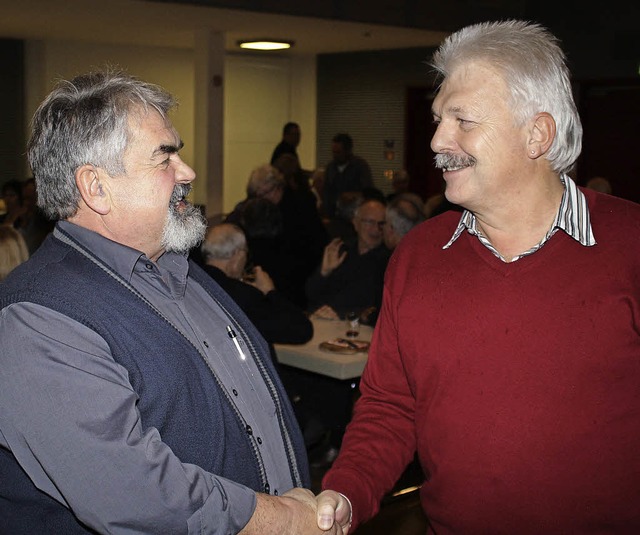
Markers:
<point>350,276</point>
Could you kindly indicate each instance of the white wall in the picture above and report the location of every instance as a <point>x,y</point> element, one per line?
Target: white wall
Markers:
<point>261,93</point>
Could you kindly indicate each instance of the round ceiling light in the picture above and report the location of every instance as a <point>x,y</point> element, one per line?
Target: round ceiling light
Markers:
<point>265,44</point>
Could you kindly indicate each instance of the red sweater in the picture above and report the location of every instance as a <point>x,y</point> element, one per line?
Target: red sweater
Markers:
<point>518,384</point>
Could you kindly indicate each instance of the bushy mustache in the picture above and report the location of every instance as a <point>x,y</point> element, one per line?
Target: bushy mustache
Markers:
<point>444,161</point>
<point>180,191</point>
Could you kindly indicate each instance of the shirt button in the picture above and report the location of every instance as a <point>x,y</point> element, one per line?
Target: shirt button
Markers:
<point>235,392</point>
<point>259,440</point>
<point>267,488</point>
<point>206,344</point>
<point>249,430</point>
<point>149,266</point>
<point>275,492</point>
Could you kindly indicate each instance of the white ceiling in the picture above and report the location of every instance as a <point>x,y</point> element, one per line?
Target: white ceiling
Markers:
<point>148,23</point>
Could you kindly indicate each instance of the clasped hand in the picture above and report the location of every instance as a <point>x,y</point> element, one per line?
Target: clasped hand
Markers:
<point>333,510</point>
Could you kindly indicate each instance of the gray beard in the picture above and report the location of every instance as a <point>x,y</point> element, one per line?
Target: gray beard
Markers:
<point>185,229</point>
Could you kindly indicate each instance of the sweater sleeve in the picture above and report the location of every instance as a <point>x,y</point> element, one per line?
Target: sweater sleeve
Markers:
<point>380,440</point>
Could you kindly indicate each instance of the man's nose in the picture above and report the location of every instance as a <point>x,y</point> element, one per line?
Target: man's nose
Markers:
<point>442,139</point>
<point>184,173</point>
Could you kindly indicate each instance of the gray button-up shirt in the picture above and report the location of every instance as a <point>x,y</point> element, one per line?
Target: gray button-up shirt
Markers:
<point>40,346</point>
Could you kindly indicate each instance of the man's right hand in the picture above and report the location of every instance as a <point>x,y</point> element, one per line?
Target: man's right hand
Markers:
<point>333,256</point>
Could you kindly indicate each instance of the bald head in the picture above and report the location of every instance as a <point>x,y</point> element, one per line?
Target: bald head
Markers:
<point>225,247</point>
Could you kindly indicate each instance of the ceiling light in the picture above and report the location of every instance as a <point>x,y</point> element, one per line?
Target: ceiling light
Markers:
<point>265,44</point>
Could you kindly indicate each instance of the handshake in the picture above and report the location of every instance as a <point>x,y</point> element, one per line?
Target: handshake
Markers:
<point>299,512</point>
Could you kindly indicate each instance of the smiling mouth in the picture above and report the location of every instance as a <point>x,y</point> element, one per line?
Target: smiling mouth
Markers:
<point>452,162</point>
<point>454,168</point>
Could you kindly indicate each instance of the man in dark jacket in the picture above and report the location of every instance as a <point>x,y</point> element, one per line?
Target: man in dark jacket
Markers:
<point>136,396</point>
<point>289,143</point>
<point>224,253</point>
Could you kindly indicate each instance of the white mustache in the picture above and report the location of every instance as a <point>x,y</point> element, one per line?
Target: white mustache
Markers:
<point>444,161</point>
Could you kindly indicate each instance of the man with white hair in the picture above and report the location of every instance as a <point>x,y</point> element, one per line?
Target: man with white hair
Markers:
<point>404,212</point>
<point>507,351</point>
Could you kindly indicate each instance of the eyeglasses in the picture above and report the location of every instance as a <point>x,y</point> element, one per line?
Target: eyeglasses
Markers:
<point>373,222</point>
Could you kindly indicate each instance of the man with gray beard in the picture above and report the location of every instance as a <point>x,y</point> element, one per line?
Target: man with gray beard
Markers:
<point>136,396</point>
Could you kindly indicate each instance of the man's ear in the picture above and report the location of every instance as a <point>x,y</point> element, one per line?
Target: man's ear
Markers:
<point>93,189</point>
<point>541,135</point>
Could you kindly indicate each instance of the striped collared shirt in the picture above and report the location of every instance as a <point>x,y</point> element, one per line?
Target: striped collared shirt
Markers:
<point>573,218</point>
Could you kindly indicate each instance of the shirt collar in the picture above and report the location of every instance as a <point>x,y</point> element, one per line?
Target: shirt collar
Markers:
<point>572,218</point>
<point>121,258</point>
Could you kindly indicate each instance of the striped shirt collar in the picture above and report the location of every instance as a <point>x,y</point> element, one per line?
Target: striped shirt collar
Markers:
<point>572,218</point>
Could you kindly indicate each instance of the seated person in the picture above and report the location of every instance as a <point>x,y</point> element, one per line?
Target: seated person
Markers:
<point>350,277</point>
<point>224,253</point>
<point>265,182</point>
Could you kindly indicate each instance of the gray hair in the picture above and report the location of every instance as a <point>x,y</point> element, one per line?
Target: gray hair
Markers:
<point>264,179</point>
<point>222,241</point>
<point>404,213</point>
<point>535,72</point>
<point>86,121</point>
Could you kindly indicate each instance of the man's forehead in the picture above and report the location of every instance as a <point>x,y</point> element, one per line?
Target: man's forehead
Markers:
<point>372,208</point>
<point>467,80</point>
<point>154,129</point>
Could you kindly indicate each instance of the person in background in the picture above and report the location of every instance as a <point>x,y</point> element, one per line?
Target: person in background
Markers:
<point>316,183</point>
<point>289,143</point>
<point>224,252</point>
<point>13,250</point>
<point>404,212</point>
<point>508,347</point>
<point>265,182</point>
<point>349,279</point>
<point>345,172</point>
<point>304,233</point>
<point>11,194</point>
<point>136,395</point>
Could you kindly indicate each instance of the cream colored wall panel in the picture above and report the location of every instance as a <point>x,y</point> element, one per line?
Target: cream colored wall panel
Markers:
<point>257,104</point>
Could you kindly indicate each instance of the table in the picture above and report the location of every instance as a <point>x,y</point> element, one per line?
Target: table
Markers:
<point>310,357</point>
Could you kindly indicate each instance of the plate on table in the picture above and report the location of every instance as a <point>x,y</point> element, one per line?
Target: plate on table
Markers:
<point>345,346</point>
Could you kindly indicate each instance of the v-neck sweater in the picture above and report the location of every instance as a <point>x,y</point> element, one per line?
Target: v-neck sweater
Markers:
<point>518,384</point>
